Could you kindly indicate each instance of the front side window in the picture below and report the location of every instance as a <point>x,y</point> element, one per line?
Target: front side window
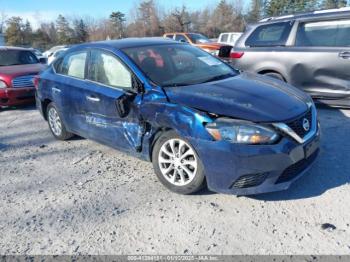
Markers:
<point>178,65</point>
<point>17,57</point>
<point>199,38</point>
<point>73,65</point>
<point>106,69</point>
<point>270,35</point>
<point>324,34</point>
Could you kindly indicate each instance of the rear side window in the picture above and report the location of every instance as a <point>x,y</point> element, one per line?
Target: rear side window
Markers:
<point>324,34</point>
<point>72,65</point>
<point>224,38</point>
<point>106,69</point>
<point>180,38</point>
<point>170,36</point>
<point>270,35</point>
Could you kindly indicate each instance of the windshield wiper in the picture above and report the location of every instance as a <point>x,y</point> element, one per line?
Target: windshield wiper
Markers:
<point>178,84</point>
<point>219,77</point>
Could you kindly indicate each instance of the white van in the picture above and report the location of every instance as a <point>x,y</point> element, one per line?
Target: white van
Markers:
<point>229,38</point>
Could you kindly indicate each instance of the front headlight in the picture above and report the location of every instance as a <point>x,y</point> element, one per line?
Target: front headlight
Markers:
<point>241,132</point>
<point>2,84</point>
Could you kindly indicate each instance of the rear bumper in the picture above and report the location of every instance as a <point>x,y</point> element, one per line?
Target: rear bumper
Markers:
<point>16,96</point>
<point>248,170</point>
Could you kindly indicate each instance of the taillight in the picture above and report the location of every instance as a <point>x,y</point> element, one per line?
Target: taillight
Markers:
<point>36,81</point>
<point>236,55</point>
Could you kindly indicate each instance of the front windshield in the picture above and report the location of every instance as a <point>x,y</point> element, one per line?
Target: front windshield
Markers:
<point>17,57</point>
<point>179,64</point>
<point>199,39</point>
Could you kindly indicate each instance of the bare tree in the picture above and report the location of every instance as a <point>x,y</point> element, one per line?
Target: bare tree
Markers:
<point>146,21</point>
<point>178,20</point>
<point>3,18</point>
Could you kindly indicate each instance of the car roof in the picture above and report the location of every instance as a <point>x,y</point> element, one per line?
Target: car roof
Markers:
<point>130,42</point>
<point>328,13</point>
<point>5,48</point>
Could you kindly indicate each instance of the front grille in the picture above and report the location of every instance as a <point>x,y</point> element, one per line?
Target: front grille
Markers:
<point>249,180</point>
<point>225,51</point>
<point>297,125</point>
<point>295,169</point>
<point>23,81</point>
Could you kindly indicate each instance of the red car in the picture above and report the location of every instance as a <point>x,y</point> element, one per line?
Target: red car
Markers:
<point>18,66</point>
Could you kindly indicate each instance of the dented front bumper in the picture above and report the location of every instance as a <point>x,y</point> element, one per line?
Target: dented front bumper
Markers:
<point>254,169</point>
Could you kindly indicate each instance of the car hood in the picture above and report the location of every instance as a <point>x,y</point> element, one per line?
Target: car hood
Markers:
<point>18,70</point>
<point>246,96</point>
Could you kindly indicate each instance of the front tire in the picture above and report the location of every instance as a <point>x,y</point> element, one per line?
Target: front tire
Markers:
<point>55,122</point>
<point>177,164</point>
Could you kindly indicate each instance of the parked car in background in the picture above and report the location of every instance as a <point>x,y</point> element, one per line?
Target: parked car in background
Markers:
<point>229,38</point>
<point>18,66</point>
<point>310,51</point>
<point>38,53</point>
<point>56,54</point>
<point>50,52</point>
<point>194,116</point>
<point>202,42</point>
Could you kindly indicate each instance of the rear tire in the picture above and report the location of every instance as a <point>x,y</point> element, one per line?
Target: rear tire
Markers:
<point>177,164</point>
<point>276,76</point>
<point>55,122</point>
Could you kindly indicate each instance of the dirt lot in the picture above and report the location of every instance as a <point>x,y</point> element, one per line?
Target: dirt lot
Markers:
<point>81,197</point>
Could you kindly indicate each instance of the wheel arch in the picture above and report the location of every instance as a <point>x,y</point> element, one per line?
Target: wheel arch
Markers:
<point>44,105</point>
<point>266,71</point>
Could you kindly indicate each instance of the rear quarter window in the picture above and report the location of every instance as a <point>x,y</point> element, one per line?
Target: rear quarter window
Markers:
<point>270,35</point>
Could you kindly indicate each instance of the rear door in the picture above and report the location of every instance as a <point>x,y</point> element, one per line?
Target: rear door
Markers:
<point>67,85</point>
<point>322,58</point>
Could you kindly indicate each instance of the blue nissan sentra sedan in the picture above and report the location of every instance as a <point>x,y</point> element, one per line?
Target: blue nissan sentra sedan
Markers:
<point>197,119</point>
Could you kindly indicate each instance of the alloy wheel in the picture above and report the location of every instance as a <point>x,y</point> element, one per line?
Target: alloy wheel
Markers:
<point>55,121</point>
<point>177,162</point>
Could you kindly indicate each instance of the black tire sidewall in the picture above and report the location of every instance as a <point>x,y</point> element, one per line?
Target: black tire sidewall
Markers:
<point>64,134</point>
<point>195,185</point>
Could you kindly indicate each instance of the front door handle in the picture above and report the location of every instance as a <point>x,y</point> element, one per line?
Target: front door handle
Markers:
<point>344,55</point>
<point>93,98</point>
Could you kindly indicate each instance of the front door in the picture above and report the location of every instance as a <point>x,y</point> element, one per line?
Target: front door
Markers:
<point>111,105</point>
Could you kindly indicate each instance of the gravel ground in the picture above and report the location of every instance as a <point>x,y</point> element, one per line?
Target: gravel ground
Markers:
<point>79,197</point>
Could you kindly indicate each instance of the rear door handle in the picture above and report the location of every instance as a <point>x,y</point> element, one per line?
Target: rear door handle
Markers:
<point>56,90</point>
<point>344,55</point>
<point>93,98</point>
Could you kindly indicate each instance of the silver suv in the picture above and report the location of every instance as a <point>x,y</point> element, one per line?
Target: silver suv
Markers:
<point>310,51</point>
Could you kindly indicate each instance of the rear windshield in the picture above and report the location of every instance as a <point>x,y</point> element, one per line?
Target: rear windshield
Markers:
<point>270,35</point>
<point>17,57</point>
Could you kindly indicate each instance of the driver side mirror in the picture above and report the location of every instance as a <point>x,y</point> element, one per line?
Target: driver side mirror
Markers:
<point>183,41</point>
